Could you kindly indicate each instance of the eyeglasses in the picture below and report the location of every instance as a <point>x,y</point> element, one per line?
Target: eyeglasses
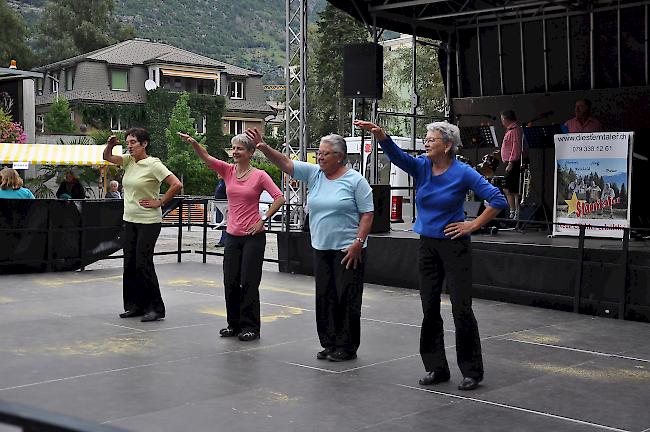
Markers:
<point>325,154</point>
<point>431,140</point>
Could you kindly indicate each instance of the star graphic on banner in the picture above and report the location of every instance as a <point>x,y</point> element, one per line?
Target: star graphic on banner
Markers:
<point>573,204</point>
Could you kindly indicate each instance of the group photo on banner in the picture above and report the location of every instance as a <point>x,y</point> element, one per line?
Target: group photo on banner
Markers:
<point>592,183</point>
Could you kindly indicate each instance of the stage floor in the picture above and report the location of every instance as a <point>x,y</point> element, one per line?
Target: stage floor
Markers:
<point>63,348</point>
<point>528,237</point>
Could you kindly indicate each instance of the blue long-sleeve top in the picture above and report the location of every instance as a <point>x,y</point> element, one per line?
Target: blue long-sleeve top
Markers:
<point>439,199</point>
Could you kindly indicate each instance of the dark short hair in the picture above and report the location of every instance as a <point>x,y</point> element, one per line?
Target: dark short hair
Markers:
<point>141,134</point>
<point>586,101</point>
<point>509,115</point>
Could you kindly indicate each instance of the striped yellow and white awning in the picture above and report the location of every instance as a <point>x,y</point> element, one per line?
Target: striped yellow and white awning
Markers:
<point>53,154</point>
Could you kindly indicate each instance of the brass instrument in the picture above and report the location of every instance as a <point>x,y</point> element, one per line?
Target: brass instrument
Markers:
<point>525,184</point>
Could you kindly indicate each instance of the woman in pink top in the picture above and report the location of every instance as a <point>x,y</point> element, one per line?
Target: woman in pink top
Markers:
<point>244,252</point>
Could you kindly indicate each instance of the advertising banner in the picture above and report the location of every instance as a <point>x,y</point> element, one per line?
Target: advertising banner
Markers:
<point>592,183</point>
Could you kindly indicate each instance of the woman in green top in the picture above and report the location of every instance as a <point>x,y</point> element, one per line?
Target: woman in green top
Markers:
<point>11,185</point>
<point>143,175</point>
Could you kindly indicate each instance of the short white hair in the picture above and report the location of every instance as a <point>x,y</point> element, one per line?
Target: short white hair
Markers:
<point>449,134</point>
<point>338,143</point>
<point>114,182</point>
<point>243,139</point>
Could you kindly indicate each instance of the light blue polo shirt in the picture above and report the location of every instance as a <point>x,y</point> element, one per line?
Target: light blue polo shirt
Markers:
<point>22,193</point>
<point>335,206</point>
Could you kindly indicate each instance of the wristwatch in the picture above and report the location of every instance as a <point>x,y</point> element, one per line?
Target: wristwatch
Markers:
<point>264,218</point>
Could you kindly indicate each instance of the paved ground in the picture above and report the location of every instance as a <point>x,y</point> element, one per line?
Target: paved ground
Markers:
<point>63,348</point>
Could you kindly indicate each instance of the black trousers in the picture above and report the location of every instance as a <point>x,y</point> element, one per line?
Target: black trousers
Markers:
<point>141,289</point>
<point>451,261</point>
<point>338,300</point>
<point>242,273</point>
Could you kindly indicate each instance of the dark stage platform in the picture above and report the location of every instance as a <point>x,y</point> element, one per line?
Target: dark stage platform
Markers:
<point>63,348</point>
<point>527,268</point>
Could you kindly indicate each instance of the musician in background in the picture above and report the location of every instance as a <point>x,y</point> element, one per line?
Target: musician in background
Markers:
<point>511,156</point>
<point>583,121</point>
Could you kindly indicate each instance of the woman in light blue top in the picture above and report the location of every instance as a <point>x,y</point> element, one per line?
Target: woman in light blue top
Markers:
<point>340,217</point>
<point>11,185</point>
<point>441,184</point>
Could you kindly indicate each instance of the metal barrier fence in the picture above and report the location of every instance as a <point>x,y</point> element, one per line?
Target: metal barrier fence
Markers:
<point>30,419</point>
<point>624,260</point>
<point>55,235</point>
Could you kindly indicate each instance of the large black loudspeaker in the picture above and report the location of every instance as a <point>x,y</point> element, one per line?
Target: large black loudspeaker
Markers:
<point>363,65</point>
<point>381,200</point>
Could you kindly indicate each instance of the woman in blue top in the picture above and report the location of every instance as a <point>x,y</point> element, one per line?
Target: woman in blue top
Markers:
<point>11,185</point>
<point>340,217</point>
<point>441,184</point>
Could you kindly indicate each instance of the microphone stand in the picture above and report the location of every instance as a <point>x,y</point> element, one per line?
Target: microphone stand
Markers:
<point>521,173</point>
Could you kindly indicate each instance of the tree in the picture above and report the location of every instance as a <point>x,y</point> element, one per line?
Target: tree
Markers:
<point>181,158</point>
<point>13,35</point>
<point>329,110</point>
<point>428,84</point>
<point>71,27</point>
<point>58,119</point>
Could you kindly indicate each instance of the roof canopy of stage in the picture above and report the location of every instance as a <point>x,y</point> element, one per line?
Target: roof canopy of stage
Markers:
<point>432,18</point>
<point>524,46</point>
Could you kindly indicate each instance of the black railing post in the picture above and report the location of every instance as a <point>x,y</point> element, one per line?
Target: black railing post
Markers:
<point>180,229</point>
<point>623,297</point>
<point>189,216</point>
<point>581,258</point>
<point>205,228</point>
<point>49,236</point>
<point>82,237</point>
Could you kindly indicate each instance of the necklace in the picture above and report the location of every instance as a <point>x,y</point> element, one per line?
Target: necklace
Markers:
<point>242,175</point>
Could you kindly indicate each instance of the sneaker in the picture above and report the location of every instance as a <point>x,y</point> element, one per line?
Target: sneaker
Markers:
<point>341,355</point>
<point>248,335</point>
<point>322,355</point>
<point>228,332</point>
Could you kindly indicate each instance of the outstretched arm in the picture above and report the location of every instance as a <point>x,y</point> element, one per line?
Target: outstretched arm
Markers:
<point>198,149</point>
<point>377,132</point>
<point>396,155</point>
<point>277,158</point>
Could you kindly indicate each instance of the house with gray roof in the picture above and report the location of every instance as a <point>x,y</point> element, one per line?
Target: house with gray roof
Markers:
<point>116,75</point>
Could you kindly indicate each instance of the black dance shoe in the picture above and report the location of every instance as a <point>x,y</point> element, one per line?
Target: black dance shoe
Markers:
<point>469,383</point>
<point>432,378</point>
<point>322,355</point>
<point>152,316</point>
<point>341,355</point>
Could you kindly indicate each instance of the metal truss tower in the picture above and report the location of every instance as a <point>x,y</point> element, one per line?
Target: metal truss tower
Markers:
<point>295,105</point>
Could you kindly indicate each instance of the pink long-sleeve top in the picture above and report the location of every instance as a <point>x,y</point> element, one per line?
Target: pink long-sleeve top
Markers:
<point>244,196</point>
